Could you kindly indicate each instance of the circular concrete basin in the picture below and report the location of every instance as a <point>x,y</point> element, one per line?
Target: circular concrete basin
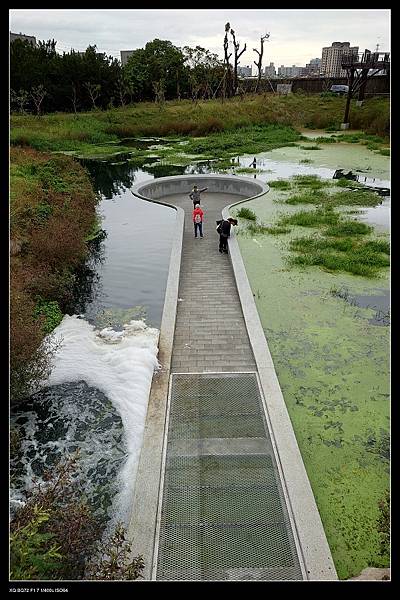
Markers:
<point>160,188</point>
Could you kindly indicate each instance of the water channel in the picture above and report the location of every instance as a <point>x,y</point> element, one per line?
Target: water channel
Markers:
<point>97,394</point>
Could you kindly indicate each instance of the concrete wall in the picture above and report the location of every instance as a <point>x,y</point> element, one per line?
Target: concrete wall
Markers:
<point>315,85</point>
<point>183,184</point>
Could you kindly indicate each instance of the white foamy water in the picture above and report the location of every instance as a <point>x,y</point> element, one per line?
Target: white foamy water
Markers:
<point>121,365</point>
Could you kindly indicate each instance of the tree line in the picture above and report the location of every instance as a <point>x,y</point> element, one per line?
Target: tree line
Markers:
<point>43,81</point>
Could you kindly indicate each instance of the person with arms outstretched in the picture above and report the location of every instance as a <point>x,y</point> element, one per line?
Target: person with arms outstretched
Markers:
<point>195,195</point>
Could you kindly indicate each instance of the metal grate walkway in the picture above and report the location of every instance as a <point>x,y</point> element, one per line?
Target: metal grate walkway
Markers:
<point>223,511</point>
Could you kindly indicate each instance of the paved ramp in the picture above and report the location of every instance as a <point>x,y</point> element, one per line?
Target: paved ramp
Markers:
<point>223,513</point>
<point>221,491</point>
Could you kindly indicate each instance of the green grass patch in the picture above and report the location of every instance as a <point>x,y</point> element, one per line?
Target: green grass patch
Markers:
<point>348,183</point>
<point>280,184</point>
<point>244,140</point>
<point>357,197</point>
<point>308,197</point>
<point>246,213</point>
<point>213,128</point>
<point>313,147</point>
<point>325,140</point>
<point>378,246</point>
<point>310,181</point>
<point>248,170</point>
<point>312,244</point>
<point>310,218</point>
<point>305,161</point>
<point>351,255</point>
<point>385,151</point>
<point>348,228</point>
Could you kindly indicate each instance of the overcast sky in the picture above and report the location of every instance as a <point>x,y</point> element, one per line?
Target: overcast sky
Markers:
<point>296,36</point>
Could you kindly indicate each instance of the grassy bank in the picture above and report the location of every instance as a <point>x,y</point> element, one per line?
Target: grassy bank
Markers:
<point>98,132</point>
<point>52,214</point>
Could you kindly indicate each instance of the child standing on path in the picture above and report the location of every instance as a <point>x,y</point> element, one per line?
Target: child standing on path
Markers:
<point>198,215</point>
<point>195,195</point>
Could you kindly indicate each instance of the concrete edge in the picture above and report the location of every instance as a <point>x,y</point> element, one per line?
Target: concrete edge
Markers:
<point>181,184</point>
<point>306,519</point>
<point>142,525</point>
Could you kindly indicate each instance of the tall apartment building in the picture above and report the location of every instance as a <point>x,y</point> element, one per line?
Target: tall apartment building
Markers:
<point>270,71</point>
<point>312,69</point>
<point>292,71</point>
<point>21,36</point>
<point>244,71</point>
<point>125,54</point>
<point>331,64</point>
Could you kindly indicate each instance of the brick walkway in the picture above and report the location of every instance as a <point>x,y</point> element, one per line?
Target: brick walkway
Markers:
<point>210,332</point>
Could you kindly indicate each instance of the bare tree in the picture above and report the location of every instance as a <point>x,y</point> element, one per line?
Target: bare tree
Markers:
<point>38,94</point>
<point>260,57</point>
<point>227,76</point>
<point>121,88</point>
<point>159,89</point>
<point>238,54</point>
<point>74,97</point>
<point>93,91</point>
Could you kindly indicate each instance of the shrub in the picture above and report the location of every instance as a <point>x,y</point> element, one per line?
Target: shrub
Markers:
<point>113,559</point>
<point>383,524</point>
<point>68,524</point>
<point>246,213</point>
<point>33,554</point>
<point>50,310</point>
<point>52,211</point>
<point>30,355</point>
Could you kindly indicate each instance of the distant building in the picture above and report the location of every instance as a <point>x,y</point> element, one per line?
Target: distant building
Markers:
<point>331,64</point>
<point>312,69</point>
<point>20,36</point>
<point>125,54</point>
<point>270,71</point>
<point>244,71</point>
<point>292,71</point>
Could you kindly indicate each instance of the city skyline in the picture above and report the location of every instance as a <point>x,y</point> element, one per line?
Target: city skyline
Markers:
<point>296,36</point>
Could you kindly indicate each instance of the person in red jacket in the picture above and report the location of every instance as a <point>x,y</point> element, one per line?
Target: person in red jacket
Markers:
<point>198,220</point>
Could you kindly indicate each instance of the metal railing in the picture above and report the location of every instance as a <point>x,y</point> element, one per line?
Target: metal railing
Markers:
<point>366,57</point>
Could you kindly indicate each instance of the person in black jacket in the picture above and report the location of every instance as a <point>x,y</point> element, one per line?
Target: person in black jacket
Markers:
<point>224,230</point>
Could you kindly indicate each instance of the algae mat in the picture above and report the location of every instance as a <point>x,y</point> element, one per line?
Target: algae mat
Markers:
<point>332,361</point>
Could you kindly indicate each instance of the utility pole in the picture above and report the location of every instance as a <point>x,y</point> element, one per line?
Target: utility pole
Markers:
<point>345,124</point>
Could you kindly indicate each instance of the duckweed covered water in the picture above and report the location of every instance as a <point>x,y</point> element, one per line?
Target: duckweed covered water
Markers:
<point>331,357</point>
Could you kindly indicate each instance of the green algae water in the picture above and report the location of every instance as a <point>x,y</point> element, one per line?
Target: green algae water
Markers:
<point>332,361</point>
